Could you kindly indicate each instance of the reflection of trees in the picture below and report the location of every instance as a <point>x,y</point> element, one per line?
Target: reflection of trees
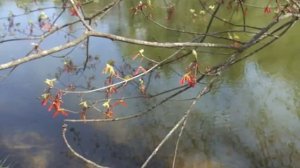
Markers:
<point>27,4</point>
<point>191,41</point>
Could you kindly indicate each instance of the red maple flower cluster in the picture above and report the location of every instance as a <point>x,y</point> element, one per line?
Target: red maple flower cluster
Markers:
<point>56,104</point>
<point>189,79</point>
<point>111,90</point>
<point>139,70</point>
<point>267,10</point>
<point>109,112</point>
<point>69,66</point>
<point>139,7</point>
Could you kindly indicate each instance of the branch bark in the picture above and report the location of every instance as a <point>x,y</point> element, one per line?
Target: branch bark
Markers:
<point>41,54</point>
<point>114,38</point>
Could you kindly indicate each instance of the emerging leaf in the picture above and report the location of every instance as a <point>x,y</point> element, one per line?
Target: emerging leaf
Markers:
<point>45,95</point>
<point>84,104</point>
<point>106,104</point>
<point>233,36</point>
<point>212,7</point>
<point>109,70</point>
<point>50,82</point>
<point>43,16</point>
<point>195,54</point>
<point>149,3</point>
<point>230,36</point>
<point>236,37</point>
<point>141,51</point>
<point>202,12</point>
<point>45,98</point>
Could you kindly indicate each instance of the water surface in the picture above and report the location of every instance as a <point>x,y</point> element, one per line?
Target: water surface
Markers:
<point>250,119</point>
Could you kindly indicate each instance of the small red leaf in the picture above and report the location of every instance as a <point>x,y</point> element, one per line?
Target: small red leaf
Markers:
<point>139,70</point>
<point>267,10</point>
<point>120,102</point>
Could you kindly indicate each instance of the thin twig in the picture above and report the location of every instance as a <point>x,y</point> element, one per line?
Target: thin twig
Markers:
<point>88,27</point>
<point>201,93</point>
<point>64,131</point>
<point>210,22</point>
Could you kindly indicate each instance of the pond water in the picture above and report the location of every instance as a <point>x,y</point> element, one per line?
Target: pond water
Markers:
<point>250,119</point>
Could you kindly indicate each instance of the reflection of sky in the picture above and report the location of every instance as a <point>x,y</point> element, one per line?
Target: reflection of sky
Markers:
<point>273,94</point>
<point>235,111</point>
<point>29,135</point>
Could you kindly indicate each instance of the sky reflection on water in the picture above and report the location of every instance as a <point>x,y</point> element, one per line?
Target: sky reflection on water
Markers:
<point>250,120</point>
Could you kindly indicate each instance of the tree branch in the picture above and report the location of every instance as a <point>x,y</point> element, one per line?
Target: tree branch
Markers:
<point>158,44</point>
<point>41,54</point>
<point>64,131</point>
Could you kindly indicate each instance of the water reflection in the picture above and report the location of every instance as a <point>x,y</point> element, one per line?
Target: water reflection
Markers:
<point>29,142</point>
<point>250,120</point>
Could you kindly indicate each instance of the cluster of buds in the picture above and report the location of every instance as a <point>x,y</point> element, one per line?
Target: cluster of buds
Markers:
<point>55,102</point>
<point>109,107</point>
<point>139,7</point>
<point>191,73</point>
